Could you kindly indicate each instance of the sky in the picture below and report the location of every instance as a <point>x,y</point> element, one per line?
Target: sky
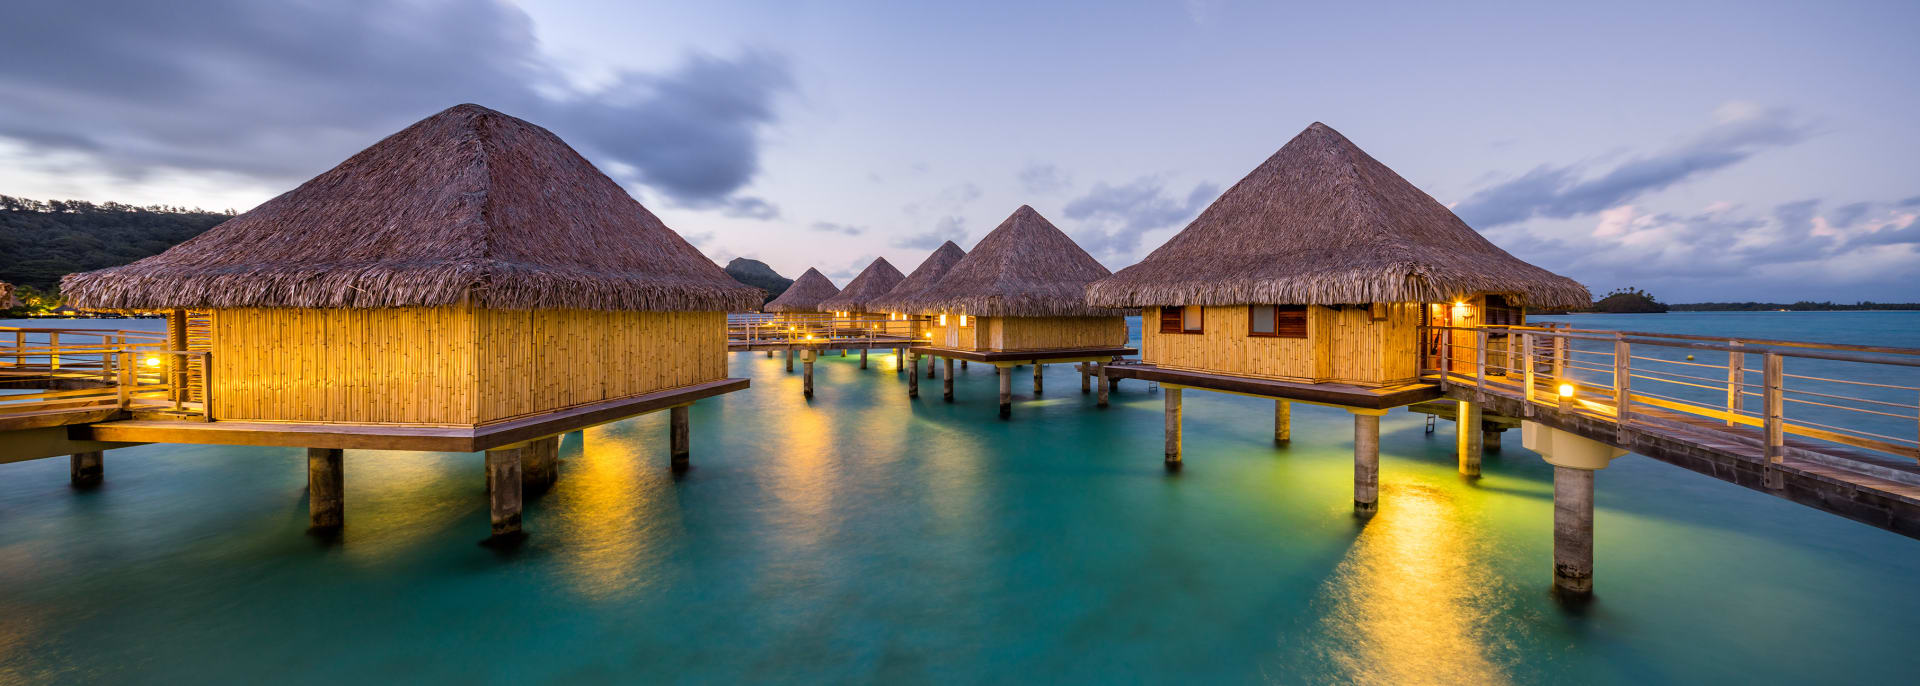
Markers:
<point>1703,151</point>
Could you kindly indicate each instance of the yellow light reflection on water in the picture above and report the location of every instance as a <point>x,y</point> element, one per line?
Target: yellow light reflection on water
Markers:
<point>1408,604</point>
<point>609,502</point>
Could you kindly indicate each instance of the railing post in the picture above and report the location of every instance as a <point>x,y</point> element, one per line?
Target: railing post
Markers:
<point>1526,360</point>
<point>1446,358</point>
<point>53,351</point>
<point>1775,426</point>
<point>1559,358</point>
<point>1736,386</point>
<point>127,377</point>
<point>1622,380</point>
<point>1480,362</point>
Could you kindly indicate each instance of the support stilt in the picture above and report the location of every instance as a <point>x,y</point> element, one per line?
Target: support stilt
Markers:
<point>1366,464</point>
<point>806,383</point>
<point>680,440</point>
<point>540,466</point>
<point>1282,422</point>
<point>1490,440</point>
<point>88,469</point>
<point>769,354</point>
<point>963,364</point>
<point>913,375</point>
<point>1573,530</point>
<point>932,363</point>
<point>1100,368</point>
<point>789,359</point>
<point>503,471</point>
<point>1006,391</point>
<point>863,358</point>
<point>946,382</point>
<point>326,508</point>
<point>1086,377</point>
<point>1173,427</point>
<point>1036,377</point>
<point>843,352</point>
<point>1466,427</point>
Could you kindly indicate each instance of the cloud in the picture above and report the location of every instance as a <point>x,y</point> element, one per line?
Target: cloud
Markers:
<point>1043,179</point>
<point>831,227</point>
<point>279,92</point>
<point>1845,215</point>
<point>1740,132</point>
<point>951,228</point>
<point>1910,202</point>
<point>742,206</point>
<point>1112,218</point>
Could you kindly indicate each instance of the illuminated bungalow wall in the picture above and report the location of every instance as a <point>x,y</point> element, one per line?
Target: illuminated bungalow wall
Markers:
<point>1369,345</point>
<point>452,366</point>
<point>1027,333</point>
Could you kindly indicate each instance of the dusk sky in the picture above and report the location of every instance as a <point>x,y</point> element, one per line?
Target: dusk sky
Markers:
<point>1703,151</point>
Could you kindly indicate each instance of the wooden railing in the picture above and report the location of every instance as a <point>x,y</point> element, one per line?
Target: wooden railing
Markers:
<point>1860,396</point>
<point>85,369</point>
<point>799,329</point>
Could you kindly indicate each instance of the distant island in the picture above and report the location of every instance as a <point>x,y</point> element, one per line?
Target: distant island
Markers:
<point>1632,300</point>
<point>45,240</point>
<point>758,275</point>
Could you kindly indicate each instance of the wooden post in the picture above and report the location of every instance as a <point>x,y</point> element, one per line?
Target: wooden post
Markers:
<point>913,375</point>
<point>176,365</point>
<point>1006,391</point>
<point>963,364</point>
<point>1467,437</point>
<point>1526,355</point>
<point>1480,363</point>
<point>680,440</point>
<point>540,465</point>
<point>1446,358</point>
<point>789,358</point>
<point>325,482</point>
<point>1572,530</point>
<point>1559,359</point>
<point>1172,395</point>
<point>843,353</point>
<point>806,381</point>
<point>53,351</point>
<point>863,358</point>
<point>1490,439</point>
<point>946,383</point>
<point>1086,378</point>
<point>87,469</point>
<point>1366,464</point>
<point>1036,376</point>
<point>503,472</point>
<point>1282,422</point>
<point>1775,424</point>
<point>1101,369</point>
<point>1622,381</point>
<point>1736,382</point>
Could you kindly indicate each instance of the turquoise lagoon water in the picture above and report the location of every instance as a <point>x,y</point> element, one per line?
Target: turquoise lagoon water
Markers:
<point>866,538</point>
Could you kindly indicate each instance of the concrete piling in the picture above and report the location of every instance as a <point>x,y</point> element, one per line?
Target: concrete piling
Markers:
<point>680,439</point>
<point>87,469</point>
<point>806,382</point>
<point>789,359</point>
<point>1101,369</point>
<point>1036,377</point>
<point>1006,391</point>
<point>1490,440</point>
<point>1366,464</point>
<point>913,375</point>
<point>503,471</point>
<point>1467,437</point>
<point>540,466</point>
<point>946,382</point>
<point>326,507</point>
<point>863,358</point>
<point>1172,396</point>
<point>1573,530</point>
<point>1086,377</point>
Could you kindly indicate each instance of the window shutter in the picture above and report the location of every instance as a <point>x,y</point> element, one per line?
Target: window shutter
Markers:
<point>1169,320</point>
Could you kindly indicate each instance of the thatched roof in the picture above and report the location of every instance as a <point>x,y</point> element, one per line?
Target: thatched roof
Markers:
<point>1024,268</point>
<point>805,295</point>
<point>466,206</point>
<point>1323,223</point>
<point>874,281</point>
<point>923,277</point>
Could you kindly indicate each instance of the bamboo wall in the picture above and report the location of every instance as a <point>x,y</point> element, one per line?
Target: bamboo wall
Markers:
<point>1054,333</point>
<point>1343,345</point>
<point>450,366</point>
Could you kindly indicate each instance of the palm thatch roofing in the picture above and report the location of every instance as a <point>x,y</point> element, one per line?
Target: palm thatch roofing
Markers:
<point>923,277</point>
<point>468,206</point>
<point>805,295</point>
<point>876,280</point>
<point>1323,223</point>
<point>1025,268</point>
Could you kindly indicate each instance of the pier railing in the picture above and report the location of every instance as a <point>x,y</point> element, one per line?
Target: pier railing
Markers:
<point>1865,397</point>
<point>801,329</point>
<point>58,370</point>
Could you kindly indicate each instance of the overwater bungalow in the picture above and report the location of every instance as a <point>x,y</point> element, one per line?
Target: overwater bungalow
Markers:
<point>805,295</point>
<point>1310,280</point>
<point>1019,297</point>
<point>470,283</point>
<point>895,302</point>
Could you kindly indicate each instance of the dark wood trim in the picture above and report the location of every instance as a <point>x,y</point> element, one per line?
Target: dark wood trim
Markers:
<point>1022,355</point>
<point>1326,393</point>
<point>1278,331</point>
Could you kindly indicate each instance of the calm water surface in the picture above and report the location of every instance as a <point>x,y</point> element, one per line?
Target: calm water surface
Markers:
<point>867,538</point>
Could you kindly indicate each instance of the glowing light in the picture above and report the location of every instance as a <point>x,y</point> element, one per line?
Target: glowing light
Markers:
<point>943,320</point>
<point>152,361</point>
<point>1566,390</point>
<point>963,320</point>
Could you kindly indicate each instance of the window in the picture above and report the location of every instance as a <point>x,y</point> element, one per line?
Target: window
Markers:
<point>963,320</point>
<point>1180,319</point>
<point>1502,312</point>
<point>943,320</point>
<point>1277,321</point>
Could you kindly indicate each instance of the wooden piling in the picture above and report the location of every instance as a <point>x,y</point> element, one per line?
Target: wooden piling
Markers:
<point>540,466</point>
<point>87,469</point>
<point>1573,530</point>
<point>1006,391</point>
<point>963,364</point>
<point>806,362</point>
<point>503,471</point>
<point>1467,436</point>
<point>863,358</point>
<point>1490,440</point>
<point>913,375</point>
<point>946,383</point>
<point>931,365</point>
<point>1366,464</point>
<point>1173,426</point>
<point>680,440</point>
<point>1100,368</point>
<point>789,359</point>
<point>1086,377</point>
<point>326,507</point>
<point>1282,422</point>
<point>843,352</point>
<point>1036,377</point>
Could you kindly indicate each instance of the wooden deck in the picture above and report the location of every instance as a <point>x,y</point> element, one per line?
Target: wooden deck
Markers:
<point>1342,395</point>
<point>1010,357</point>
